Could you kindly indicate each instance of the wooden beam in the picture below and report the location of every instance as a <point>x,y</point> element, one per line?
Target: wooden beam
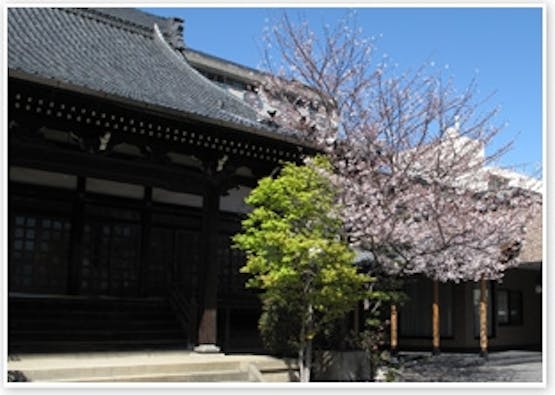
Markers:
<point>435,318</point>
<point>57,102</point>
<point>87,165</point>
<point>92,116</point>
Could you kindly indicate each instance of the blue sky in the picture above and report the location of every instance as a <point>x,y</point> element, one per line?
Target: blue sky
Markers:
<point>502,45</point>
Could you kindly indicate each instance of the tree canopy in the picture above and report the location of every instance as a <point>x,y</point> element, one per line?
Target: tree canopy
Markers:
<point>408,151</point>
<point>295,253</point>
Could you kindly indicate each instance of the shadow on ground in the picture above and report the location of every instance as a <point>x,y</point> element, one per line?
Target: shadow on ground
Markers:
<point>505,366</point>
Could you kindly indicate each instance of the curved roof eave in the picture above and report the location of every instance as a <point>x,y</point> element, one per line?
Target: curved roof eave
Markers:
<point>21,75</point>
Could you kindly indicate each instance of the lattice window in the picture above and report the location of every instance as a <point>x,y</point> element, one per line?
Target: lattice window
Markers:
<point>174,258</point>
<point>110,258</point>
<point>158,272</point>
<point>39,250</point>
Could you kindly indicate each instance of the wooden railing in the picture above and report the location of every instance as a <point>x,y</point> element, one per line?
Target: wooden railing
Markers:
<point>185,308</point>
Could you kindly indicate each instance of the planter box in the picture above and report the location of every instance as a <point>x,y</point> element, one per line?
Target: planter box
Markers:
<point>341,366</point>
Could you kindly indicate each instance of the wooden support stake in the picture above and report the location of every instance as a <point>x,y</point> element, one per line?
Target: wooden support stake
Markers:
<point>394,330</point>
<point>483,319</point>
<point>435,319</point>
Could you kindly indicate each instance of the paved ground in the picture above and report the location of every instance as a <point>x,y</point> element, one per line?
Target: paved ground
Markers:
<point>505,366</point>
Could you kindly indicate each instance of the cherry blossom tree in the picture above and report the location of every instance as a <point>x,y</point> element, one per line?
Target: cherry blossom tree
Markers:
<point>408,149</point>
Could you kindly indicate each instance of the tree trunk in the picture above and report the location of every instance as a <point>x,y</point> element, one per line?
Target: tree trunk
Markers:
<point>393,334</point>
<point>435,319</point>
<point>305,349</point>
<point>483,318</point>
<point>302,347</point>
<point>308,363</point>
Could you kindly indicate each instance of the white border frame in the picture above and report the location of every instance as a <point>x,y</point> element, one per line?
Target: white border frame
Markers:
<point>282,4</point>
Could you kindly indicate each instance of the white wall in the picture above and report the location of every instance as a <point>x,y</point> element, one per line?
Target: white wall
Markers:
<point>171,197</point>
<point>41,177</point>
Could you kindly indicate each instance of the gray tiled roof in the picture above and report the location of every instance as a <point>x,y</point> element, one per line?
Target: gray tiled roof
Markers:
<point>118,52</point>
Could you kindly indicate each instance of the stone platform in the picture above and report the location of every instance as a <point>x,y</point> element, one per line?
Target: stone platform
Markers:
<point>149,366</point>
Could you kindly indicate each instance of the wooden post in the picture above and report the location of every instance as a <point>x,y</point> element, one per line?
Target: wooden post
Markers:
<point>435,319</point>
<point>208,326</point>
<point>394,330</point>
<point>483,319</point>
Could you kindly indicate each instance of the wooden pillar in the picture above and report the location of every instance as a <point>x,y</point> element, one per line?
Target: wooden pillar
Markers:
<point>394,331</point>
<point>483,318</point>
<point>207,332</point>
<point>76,239</point>
<point>435,319</point>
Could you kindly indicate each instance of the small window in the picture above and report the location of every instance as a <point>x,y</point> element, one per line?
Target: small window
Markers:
<point>509,307</point>
<point>503,307</point>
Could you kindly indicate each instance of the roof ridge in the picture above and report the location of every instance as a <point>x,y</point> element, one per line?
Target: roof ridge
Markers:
<point>138,21</point>
<point>112,20</point>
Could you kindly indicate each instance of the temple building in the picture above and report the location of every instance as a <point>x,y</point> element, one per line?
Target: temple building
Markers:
<point>129,159</point>
<point>127,173</point>
<point>514,308</point>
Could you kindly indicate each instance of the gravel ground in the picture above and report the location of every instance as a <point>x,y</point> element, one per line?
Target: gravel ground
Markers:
<point>506,366</point>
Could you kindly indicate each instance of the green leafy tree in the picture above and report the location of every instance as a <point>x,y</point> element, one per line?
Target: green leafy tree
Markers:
<point>295,253</point>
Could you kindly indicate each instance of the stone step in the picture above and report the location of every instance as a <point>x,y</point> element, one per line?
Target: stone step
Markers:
<point>267,363</point>
<point>152,366</point>
<point>99,371</point>
<point>274,369</point>
<point>278,371</point>
<point>206,377</point>
<point>280,377</point>
<point>102,371</point>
